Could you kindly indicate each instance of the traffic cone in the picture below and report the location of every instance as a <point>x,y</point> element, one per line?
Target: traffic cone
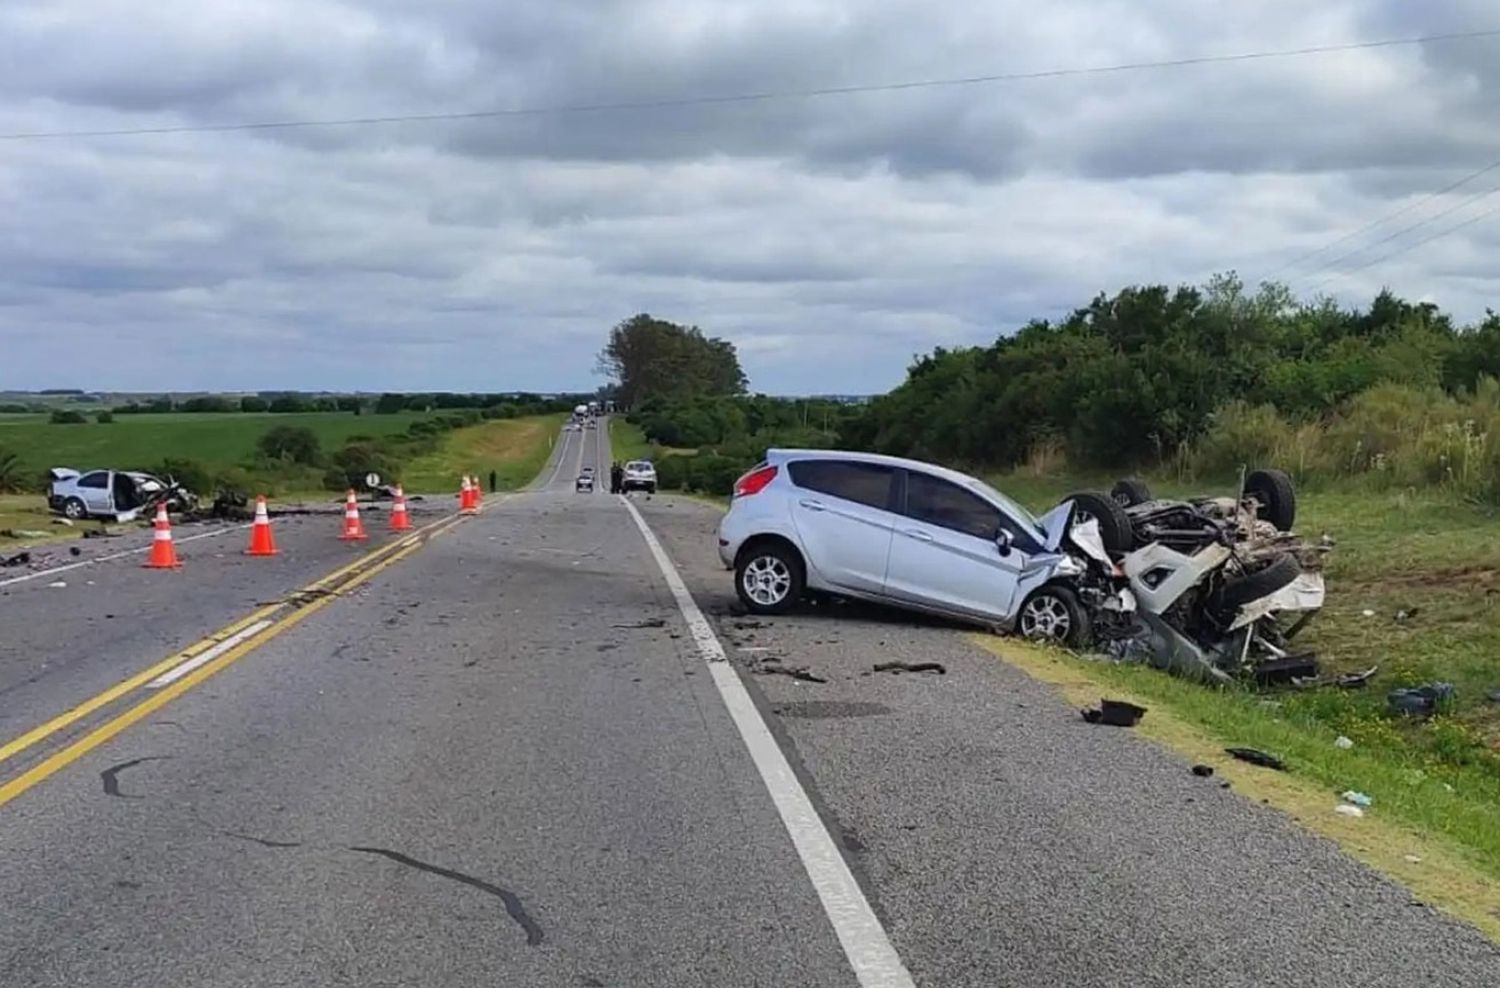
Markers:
<point>466,497</point>
<point>261,543</point>
<point>399,520</point>
<point>163,553</point>
<point>354,529</point>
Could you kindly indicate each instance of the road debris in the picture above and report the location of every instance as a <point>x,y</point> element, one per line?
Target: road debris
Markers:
<point>64,522</point>
<point>647,623</point>
<point>1345,809</point>
<point>1406,614</point>
<point>1357,798</point>
<point>1257,757</point>
<point>897,667</point>
<point>1203,771</point>
<point>1420,701</point>
<point>23,533</point>
<point>1343,742</point>
<point>795,672</point>
<point>1356,680</point>
<point>19,559</point>
<point>57,585</point>
<point>1115,713</point>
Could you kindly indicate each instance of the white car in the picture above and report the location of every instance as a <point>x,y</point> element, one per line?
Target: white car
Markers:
<point>639,475</point>
<point>585,482</point>
<point>911,535</point>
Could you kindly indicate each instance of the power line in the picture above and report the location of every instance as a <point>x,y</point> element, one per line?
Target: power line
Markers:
<point>1476,197</point>
<point>753,97</point>
<point>1379,221</point>
<point>1410,247</point>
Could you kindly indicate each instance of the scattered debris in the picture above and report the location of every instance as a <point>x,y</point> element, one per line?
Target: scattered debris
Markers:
<point>1402,616</point>
<point>1345,809</point>
<point>19,559</point>
<point>1115,713</point>
<point>1420,701</point>
<point>1257,757</point>
<point>899,667</point>
<point>1367,612</point>
<point>57,585</point>
<point>73,550</point>
<point>23,533</point>
<point>748,625</point>
<point>1355,680</point>
<point>1203,771</point>
<point>796,672</point>
<point>64,522</point>
<point>647,623</point>
<point>1294,669</point>
<point>102,533</point>
<point>1357,798</point>
<point>1413,859</point>
<point>1343,742</point>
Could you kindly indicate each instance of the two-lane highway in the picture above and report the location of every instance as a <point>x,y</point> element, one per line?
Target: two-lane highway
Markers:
<point>529,749</point>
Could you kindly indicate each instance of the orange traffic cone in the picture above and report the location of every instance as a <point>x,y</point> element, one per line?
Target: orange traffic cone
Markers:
<point>261,543</point>
<point>399,520</point>
<point>354,529</point>
<point>466,497</point>
<point>163,553</point>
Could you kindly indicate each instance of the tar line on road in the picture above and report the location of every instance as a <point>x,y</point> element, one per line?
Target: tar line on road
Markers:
<point>865,942</point>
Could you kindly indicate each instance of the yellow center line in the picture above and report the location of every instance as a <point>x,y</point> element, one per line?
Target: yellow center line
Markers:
<point>108,730</point>
<point>112,694</point>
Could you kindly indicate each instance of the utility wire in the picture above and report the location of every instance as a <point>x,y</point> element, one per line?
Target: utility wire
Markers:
<point>1409,247</point>
<point>753,97</point>
<point>1379,221</point>
<point>1462,204</point>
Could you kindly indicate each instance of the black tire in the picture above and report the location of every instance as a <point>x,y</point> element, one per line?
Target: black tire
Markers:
<point>1128,492</point>
<point>1054,615</point>
<point>769,577</point>
<point>1114,524</point>
<point>75,509</point>
<point>1264,578</point>
<point>1272,490</point>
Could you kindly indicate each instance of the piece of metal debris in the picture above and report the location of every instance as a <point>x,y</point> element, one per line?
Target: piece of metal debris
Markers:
<point>1257,757</point>
<point>57,585</point>
<point>1355,680</point>
<point>899,667</point>
<point>1115,713</point>
<point>1203,771</point>
<point>19,559</point>
<point>795,672</point>
<point>647,623</point>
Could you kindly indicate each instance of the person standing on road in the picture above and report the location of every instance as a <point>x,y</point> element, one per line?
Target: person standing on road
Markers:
<point>616,477</point>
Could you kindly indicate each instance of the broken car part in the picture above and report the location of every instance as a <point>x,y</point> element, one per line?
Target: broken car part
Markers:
<point>1257,757</point>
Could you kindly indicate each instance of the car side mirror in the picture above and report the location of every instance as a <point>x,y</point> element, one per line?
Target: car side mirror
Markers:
<point>1003,542</point>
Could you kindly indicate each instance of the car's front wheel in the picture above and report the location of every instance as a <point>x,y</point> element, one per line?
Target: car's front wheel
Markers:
<point>75,509</point>
<point>1054,614</point>
<point>769,578</point>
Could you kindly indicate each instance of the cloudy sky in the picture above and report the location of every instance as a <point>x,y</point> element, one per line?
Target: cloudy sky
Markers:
<point>831,238</point>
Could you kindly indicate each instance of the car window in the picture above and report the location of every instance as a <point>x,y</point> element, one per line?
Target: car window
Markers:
<point>99,478</point>
<point>862,483</point>
<point>948,505</point>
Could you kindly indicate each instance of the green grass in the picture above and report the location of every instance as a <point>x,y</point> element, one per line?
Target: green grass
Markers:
<point>135,441</point>
<point>28,512</point>
<point>516,449</point>
<point>627,442</point>
<point>1429,555</point>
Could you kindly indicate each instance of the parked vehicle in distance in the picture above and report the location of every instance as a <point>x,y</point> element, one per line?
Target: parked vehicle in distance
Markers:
<point>117,494</point>
<point>640,475</point>
<point>585,481</point>
<point>912,535</point>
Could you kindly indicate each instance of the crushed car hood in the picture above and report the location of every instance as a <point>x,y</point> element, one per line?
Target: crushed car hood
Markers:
<point>1055,524</point>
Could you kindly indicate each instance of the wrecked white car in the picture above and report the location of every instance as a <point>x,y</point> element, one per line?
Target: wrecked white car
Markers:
<point>120,495</point>
<point>1222,585</point>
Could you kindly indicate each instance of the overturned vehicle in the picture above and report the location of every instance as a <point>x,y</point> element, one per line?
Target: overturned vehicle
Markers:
<point>119,495</point>
<point>1221,585</point>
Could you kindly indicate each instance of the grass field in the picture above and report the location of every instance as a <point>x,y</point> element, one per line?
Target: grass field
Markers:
<point>137,441</point>
<point>1432,557</point>
<point>515,449</point>
<point>627,442</point>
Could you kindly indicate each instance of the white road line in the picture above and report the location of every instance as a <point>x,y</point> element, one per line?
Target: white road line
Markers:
<point>562,454</point>
<point>866,943</point>
<point>115,555</point>
<point>208,655</point>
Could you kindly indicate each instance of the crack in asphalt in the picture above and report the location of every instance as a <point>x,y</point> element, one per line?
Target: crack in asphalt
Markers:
<point>261,840</point>
<point>513,905</point>
<point>111,776</point>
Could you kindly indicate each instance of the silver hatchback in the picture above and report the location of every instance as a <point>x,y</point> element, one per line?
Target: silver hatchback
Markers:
<point>902,533</point>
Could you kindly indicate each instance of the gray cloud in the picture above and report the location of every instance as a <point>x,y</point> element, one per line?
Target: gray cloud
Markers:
<point>831,237</point>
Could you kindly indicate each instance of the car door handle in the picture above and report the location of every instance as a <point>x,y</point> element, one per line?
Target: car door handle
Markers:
<point>918,534</point>
<point>812,505</point>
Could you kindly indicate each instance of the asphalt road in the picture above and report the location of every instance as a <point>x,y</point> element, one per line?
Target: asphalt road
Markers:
<point>502,759</point>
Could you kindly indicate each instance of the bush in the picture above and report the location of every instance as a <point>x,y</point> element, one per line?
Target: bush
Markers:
<point>209,403</point>
<point>356,460</point>
<point>189,473</point>
<point>290,404</point>
<point>67,417</point>
<point>250,403</point>
<point>105,417</point>
<point>11,479</point>
<point>292,443</point>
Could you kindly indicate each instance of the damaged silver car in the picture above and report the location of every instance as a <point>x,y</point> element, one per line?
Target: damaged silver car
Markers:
<point>1222,584</point>
<point>120,495</point>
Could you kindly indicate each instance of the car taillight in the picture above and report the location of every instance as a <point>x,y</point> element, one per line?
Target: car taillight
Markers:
<point>754,482</point>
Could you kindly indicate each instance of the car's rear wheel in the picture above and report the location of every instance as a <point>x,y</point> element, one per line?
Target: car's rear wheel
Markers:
<point>769,579</point>
<point>1128,492</point>
<point>1053,614</point>
<point>75,509</point>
